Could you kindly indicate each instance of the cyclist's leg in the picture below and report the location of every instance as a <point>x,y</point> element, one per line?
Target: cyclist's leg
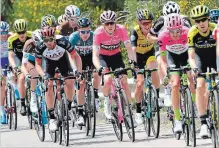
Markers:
<point>4,61</point>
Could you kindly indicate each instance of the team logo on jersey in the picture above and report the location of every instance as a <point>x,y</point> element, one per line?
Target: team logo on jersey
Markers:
<point>110,47</point>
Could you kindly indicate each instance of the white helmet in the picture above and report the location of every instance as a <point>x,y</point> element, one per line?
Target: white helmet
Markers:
<point>37,36</point>
<point>61,19</point>
<point>108,16</point>
<point>72,11</point>
<point>4,26</point>
<point>171,7</point>
<point>173,21</point>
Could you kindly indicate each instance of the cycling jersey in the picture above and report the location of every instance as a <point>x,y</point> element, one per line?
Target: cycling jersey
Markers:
<point>110,44</point>
<point>215,33</point>
<point>159,24</point>
<point>204,45</point>
<point>66,30</point>
<point>15,45</point>
<point>178,46</point>
<point>139,41</point>
<point>62,44</point>
<point>83,48</point>
<point>4,49</point>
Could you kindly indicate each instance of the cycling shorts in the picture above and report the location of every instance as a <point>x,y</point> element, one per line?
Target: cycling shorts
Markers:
<point>87,62</point>
<point>144,59</point>
<point>4,64</point>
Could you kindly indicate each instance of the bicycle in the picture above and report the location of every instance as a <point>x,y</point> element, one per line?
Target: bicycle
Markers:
<point>213,106</point>
<point>27,100</point>
<point>61,111</point>
<point>186,107</point>
<point>150,107</point>
<point>11,105</point>
<point>121,112</point>
<point>90,106</point>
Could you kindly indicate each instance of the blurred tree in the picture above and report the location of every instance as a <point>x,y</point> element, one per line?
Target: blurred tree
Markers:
<point>6,8</point>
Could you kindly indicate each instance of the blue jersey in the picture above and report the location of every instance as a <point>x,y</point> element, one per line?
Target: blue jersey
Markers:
<point>83,48</point>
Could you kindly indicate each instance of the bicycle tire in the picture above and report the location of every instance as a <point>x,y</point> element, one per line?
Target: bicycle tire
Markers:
<point>14,110</point>
<point>29,114</point>
<point>65,122</point>
<point>92,115</point>
<point>117,126</point>
<point>9,100</point>
<point>217,110</point>
<point>127,115</point>
<point>154,109</point>
<point>192,126</point>
<point>146,120</point>
<point>87,121</point>
<point>60,135</point>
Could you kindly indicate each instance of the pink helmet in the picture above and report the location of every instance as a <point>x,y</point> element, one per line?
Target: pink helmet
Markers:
<point>173,21</point>
<point>48,32</point>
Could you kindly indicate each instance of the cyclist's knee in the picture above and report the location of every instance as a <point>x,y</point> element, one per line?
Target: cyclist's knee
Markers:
<point>3,83</point>
<point>95,75</point>
<point>200,83</point>
<point>175,84</point>
<point>139,84</point>
<point>21,78</point>
<point>107,81</point>
<point>69,84</point>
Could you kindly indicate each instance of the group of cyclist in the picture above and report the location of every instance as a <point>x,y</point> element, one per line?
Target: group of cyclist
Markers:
<point>71,45</point>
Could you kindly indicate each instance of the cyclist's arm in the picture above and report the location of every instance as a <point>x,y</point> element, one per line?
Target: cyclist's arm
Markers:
<point>39,67</point>
<point>95,58</point>
<point>77,60</point>
<point>127,43</point>
<point>24,63</point>
<point>191,53</point>
<point>163,61</point>
<point>134,39</point>
<point>11,56</point>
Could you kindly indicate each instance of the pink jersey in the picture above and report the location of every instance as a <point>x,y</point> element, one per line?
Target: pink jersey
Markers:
<point>175,46</point>
<point>110,44</point>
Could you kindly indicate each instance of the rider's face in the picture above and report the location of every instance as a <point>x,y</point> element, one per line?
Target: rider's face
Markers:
<point>84,33</point>
<point>22,35</point>
<point>202,24</point>
<point>50,42</point>
<point>110,27</point>
<point>4,37</point>
<point>145,25</point>
<point>175,34</point>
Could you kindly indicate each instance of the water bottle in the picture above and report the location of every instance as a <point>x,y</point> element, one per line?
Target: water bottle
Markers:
<point>44,112</point>
<point>209,83</point>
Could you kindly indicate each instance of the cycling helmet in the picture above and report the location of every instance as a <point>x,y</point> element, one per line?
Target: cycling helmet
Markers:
<point>199,11</point>
<point>72,11</point>
<point>48,32</point>
<point>37,36</point>
<point>4,27</point>
<point>173,21</point>
<point>144,14</point>
<point>20,25</point>
<point>214,15</point>
<point>84,22</point>
<point>108,16</point>
<point>61,19</point>
<point>48,20</point>
<point>171,7</point>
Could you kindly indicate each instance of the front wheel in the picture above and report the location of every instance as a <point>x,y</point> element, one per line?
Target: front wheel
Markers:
<point>117,126</point>
<point>65,121</point>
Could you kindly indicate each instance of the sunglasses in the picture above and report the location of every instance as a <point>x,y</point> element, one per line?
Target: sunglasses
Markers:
<point>109,23</point>
<point>146,23</point>
<point>50,39</point>
<point>22,32</point>
<point>73,19</point>
<point>201,20</point>
<point>4,32</point>
<point>85,31</point>
<point>175,31</point>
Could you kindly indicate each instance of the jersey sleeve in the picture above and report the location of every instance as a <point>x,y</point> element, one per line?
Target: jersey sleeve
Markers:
<point>124,34</point>
<point>10,43</point>
<point>158,25</point>
<point>161,41</point>
<point>187,22</point>
<point>134,37</point>
<point>73,39</point>
<point>96,38</point>
<point>190,37</point>
<point>68,46</point>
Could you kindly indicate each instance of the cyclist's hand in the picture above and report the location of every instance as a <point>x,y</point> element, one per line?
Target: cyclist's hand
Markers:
<point>27,77</point>
<point>45,77</point>
<point>133,64</point>
<point>165,80</point>
<point>100,70</point>
<point>195,72</point>
<point>16,69</point>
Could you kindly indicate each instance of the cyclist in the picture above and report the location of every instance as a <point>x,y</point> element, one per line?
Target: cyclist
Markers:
<point>214,15</point>
<point>174,51</point>
<point>28,64</point>
<point>107,53</point>
<point>168,8</point>
<point>82,41</point>
<point>54,50</point>
<point>15,47</point>
<point>48,20</point>
<point>202,47</point>
<point>72,14</point>
<point>143,46</point>
<point>4,28</point>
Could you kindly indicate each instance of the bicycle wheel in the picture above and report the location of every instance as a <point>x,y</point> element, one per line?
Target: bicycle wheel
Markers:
<point>184,97</point>
<point>117,126</point>
<point>38,124</point>
<point>29,114</point>
<point>65,121</point>
<point>146,116</point>
<point>155,112</point>
<point>14,109</point>
<point>191,112</point>
<point>9,109</point>
<point>127,114</point>
<point>217,117</point>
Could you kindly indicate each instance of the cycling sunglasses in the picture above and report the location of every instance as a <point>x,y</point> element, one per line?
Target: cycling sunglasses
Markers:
<point>85,31</point>
<point>4,32</point>
<point>21,32</point>
<point>146,23</point>
<point>175,31</point>
<point>201,20</point>
<point>109,23</point>
<point>49,39</point>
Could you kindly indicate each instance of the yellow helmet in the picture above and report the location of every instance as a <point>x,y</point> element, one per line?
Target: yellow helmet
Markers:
<point>200,11</point>
<point>20,25</point>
